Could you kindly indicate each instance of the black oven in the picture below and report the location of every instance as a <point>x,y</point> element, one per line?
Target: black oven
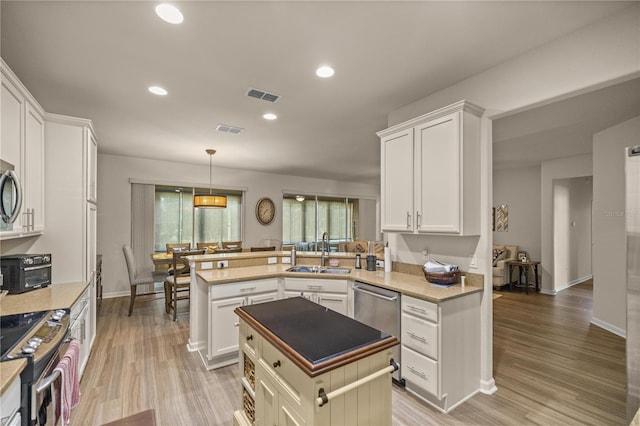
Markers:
<point>24,272</point>
<point>41,338</point>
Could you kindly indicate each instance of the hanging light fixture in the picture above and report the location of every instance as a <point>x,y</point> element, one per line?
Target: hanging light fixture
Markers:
<point>210,200</point>
<point>300,198</point>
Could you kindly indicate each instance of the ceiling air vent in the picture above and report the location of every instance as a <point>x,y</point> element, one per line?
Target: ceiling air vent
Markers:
<point>261,94</point>
<point>229,129</point>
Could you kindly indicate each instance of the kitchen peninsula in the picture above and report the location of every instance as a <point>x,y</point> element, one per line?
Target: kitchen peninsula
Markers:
<point>442,323</point>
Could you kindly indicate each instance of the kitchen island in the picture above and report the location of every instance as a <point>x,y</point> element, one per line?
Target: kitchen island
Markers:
<point>300,361</point>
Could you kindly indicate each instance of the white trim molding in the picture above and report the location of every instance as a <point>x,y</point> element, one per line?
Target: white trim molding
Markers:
<point>611,328</point>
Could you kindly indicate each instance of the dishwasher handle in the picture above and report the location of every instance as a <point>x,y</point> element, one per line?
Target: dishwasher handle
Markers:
<point>379,296</point>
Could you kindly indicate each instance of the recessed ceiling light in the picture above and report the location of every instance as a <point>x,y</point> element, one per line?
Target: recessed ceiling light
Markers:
<point>157,90</point>
<point>325,71</point>
<point>269,116</point>
<point>169,13</point>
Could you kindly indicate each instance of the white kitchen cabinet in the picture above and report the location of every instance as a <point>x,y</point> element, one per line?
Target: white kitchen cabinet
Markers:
<point>80,328</point>
<point>34,168</point>
<point>430,173</point>
<point>332,294</point>
<point>222,339</point>
<point>10,404</point>
<point>440,349</point>
<point>23,145</point>
<point>397,182</point>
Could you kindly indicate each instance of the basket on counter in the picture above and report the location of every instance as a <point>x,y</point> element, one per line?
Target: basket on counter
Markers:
<point>442,277</point>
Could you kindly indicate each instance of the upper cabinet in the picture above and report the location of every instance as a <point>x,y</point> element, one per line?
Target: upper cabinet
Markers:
<point>430,173</point>
<point>22,145</point>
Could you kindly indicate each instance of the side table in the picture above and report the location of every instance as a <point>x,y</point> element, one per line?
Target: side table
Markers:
<point>523,267</point>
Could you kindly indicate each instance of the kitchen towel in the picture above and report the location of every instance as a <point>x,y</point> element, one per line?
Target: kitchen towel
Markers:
<point>435,266</point>
<point>70,380</point>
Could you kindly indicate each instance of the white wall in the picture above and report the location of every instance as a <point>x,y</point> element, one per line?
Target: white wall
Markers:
<point>571,231</point>
<point>114,202</point>
<point>552,171</point>
<point>520,190</point>
<point>595,56</point>
<point>609,243</point>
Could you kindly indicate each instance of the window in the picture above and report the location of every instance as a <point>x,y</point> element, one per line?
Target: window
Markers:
<point>306,217</point>
<point>178,222</point>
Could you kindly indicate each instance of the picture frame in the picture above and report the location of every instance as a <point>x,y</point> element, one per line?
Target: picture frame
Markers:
<point>522,256</point>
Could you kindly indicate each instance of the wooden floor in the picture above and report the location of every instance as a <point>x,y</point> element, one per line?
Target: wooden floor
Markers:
<point>550,365</point>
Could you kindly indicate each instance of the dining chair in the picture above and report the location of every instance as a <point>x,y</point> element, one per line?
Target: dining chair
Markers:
<point>232,244</point>
<point>135,278</point>
<point>209,247</point>
<point>171,247</point>
<point>176,286</point>
<point>272,248</point>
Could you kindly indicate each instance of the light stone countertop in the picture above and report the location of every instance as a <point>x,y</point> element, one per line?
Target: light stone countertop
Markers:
<point>54,296</point>
<point>9,370</point>
<point>411,285</point>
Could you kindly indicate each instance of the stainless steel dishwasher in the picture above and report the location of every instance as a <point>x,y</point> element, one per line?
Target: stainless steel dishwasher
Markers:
<point>379,308</point>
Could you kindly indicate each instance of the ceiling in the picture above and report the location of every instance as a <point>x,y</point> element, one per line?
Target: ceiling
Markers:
<point>564,128</point>
<point>95,59</point>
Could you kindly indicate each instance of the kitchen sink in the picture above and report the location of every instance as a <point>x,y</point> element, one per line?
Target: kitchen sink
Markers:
<point>318,270</point>
<point>334,270</point>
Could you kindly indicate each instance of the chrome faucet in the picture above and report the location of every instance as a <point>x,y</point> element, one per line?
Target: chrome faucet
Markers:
<point>325,249</point>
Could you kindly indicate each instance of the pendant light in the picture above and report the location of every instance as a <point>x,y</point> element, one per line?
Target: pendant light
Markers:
<point>210,200</point>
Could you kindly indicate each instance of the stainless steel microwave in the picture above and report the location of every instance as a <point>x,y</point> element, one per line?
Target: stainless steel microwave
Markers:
<point>10,196</point>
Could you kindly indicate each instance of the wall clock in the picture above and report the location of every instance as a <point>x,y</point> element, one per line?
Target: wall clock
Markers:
<point>265,210</point>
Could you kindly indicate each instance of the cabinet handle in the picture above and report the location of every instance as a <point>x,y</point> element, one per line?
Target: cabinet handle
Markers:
<point>236,324</point>
<point>418,373</point>
<point>418,221</point>
<point>250,337</point>
<point>247,289</point>
<point>415,336</point>
<point>314,287</point>
<point>276,364</point>
<point>408,220</point>
<point>414,308</point>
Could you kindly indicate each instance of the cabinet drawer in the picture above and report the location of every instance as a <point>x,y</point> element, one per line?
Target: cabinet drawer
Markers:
<point>420,335</point>
<point>222,291</point>
<point>420,308</point>
<point>420,371</point>
<point>249,340</point>
<point>315,284</point>
<point>290,378</point>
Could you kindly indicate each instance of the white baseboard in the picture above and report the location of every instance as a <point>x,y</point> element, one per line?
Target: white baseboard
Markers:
<point>611,328</point>
<point>488,386</point>
<point>574,282</point>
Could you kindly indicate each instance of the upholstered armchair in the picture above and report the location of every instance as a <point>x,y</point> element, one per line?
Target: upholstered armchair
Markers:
<point>501,255</point>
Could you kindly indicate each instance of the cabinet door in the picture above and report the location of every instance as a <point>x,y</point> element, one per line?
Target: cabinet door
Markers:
<point>223,327</point>
<point>266,403</point>
<point>91,238</point>
<point>33,182</point>
<point>333,301</point>
<point>287,415</point>
<point>11,134</point>
<point>397,182</point>
<point>438,191</point>
<point>92,168</point>
<point>261,298</point>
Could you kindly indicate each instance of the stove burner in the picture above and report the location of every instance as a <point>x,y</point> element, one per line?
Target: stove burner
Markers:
<point>14,327</point>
